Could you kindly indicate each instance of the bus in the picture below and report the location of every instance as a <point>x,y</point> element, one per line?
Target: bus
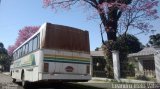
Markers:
<point>53,53</point>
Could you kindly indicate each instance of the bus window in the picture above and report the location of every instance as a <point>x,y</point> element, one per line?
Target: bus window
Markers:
<point>23,50</point>
<point>35,43</point>
<point>26,50</point>
<point>17,54</point>
<point>14,56</point>
<point>38,41</point>
<point>30,46</point>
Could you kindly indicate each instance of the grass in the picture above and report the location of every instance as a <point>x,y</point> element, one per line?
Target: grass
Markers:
<point>100,80</point>
<point>130,77</point>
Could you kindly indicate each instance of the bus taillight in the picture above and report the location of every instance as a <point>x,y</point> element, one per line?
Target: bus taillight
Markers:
<point>46,67</point>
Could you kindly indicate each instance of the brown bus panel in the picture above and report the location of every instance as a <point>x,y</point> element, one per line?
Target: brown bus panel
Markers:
<point>66,38</point>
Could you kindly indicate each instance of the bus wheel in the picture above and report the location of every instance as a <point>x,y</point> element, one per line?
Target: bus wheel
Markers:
<point>24,83</point>
<point>11,74</point>
<point>14,80</point>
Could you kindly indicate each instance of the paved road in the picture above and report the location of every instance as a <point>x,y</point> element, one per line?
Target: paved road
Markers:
<point>5,78</point>
<point>6,83</point>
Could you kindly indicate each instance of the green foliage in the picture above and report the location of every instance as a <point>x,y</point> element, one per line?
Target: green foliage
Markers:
<point>97,48</point>
<point>1,45</point>
<point>2,49</point>
<point>4,58</point>
<point>108,57</point>
<point>142,77</point>
<point>155,40</point>
<point>129,44</point>
<point>125,44</point>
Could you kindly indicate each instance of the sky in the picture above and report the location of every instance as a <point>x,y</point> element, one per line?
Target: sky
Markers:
<point>16,14</point>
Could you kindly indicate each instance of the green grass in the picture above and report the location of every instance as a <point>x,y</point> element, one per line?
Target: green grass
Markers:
<point>100,80</point>
<point>130,77</point>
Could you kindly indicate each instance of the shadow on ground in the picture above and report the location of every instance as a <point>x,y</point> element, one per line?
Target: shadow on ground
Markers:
<point>55,86</point>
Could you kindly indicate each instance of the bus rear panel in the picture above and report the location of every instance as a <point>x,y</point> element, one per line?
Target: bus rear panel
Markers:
<point>65,54</point>
<point>65,66</point>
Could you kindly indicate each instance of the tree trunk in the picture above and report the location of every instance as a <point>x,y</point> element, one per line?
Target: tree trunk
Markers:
<point>110,23</point>
<point>111,32</point>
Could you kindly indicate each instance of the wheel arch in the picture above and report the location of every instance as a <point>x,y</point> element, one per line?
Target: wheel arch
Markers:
<point>22,74</point>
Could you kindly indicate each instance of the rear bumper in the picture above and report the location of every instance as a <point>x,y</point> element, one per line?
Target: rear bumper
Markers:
<point>65,77</point>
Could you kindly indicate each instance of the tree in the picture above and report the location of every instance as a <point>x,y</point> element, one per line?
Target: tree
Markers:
<point>138,15</point>
<point>97,49</point>
<point>125,44</point>
<point>2,49</point>
<point>115,15</point>
<point>110,12</point>
<point>4,58</point>
<point>129,43</point>
<point>23,35</point>
<point>154,40</point>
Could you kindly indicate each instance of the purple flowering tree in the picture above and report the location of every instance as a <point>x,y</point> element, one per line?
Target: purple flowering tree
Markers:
<point>112,13</point>
<point>23,35</point>
<point>138,14</point>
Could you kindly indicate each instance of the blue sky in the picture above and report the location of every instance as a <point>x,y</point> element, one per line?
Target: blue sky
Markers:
<point>16,14</point>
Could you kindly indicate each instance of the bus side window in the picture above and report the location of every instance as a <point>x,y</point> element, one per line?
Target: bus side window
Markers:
<point>38,41</point>
<point>17,54</point>
<point>14,56</point>
<point>35,43</point>
<point>26,50</point>
<point>30,46</point>
<point>23,50</point>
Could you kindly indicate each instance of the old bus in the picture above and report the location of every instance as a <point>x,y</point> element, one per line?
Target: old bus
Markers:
<point>53,53</point>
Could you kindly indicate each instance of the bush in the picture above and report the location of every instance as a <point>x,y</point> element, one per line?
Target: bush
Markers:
<point>142,77</point>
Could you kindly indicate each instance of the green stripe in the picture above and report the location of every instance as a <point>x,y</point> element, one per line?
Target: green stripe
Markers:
<point>66,59</point>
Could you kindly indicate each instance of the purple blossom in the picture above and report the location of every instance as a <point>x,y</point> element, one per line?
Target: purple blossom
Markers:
<point>23,35</point>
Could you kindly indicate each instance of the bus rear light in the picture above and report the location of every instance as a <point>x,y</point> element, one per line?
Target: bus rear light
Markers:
<point>88,69</point>
<point>46,67</point>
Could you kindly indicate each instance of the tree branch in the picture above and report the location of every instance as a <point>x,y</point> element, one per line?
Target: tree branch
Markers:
<point>61,2</point>
<point>92,3</point>
<point>102,34</point>
<point>119,15</point>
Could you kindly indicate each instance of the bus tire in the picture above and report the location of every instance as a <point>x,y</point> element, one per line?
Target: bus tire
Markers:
<point>10,73</point>
<point>24,83</point>
<point>13,80</point>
